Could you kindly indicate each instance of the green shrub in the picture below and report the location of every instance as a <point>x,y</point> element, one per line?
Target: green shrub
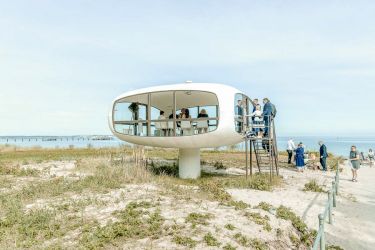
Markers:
<point>264,206</point>
<point>228,247</point>
<point>247,242</point>
<point>198,219</point>
<point>211,240</point>
<point>230,227</point>
<point>133,223</point>
<point>313,186</point>
<point>257,181</point>
<point>163,169</point>
<point>260,220</point>
<point>219,165</point>
<point>184,241</point>
<point>306,235</point>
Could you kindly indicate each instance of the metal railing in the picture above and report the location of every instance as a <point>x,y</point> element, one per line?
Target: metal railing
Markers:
<point>320,241</point>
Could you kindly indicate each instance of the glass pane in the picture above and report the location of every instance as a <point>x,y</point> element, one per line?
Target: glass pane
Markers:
<point>194,110</point>
<point>238,112</point>
<point>162,113</point>
<point>130,115</point>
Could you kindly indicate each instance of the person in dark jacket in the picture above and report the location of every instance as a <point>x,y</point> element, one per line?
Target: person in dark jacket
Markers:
<point>269,112</point>
<point>239,115</point>
<point>323,155</point>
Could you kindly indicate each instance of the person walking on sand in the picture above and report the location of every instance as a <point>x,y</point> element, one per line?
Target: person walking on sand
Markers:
<point>290,147</point>
<point>300,155</point>
<point>371,157</point>
<point>354,159</point>
<point>323,155</point>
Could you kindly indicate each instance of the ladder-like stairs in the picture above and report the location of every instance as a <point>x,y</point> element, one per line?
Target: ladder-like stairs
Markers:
<point>265,151</point>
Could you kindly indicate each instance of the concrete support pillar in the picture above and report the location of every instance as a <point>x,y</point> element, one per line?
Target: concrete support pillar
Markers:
<point>189,163</point>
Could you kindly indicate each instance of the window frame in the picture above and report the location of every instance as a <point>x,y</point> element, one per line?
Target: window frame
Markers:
<point>246,121</point>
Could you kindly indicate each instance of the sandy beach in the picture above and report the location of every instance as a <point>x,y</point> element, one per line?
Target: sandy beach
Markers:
<point>219,211</point>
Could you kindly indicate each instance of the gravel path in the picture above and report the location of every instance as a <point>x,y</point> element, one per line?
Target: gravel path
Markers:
<point>354,217</point>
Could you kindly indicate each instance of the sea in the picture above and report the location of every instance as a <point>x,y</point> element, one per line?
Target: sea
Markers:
<point>337,145</point>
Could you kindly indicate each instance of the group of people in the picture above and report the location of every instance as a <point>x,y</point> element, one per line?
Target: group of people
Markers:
<point>184,126</point>
<point>355,160</point>
<point>354,156</point>
<point>300,151</point>
<point>260,118</point>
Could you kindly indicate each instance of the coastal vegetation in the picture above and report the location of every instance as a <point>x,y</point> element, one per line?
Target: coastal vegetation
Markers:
<point>101,198</point>
<point>313,186</point>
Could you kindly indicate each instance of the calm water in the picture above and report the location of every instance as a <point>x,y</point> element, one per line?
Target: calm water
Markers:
<point>335,145</point>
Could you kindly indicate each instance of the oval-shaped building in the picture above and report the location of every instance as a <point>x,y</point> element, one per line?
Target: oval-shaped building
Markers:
<point>188,116</point>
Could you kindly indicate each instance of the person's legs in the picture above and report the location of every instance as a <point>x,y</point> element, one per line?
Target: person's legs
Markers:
<point>290,153</point>
<point>324,163</point>
<point>353,175</point>
<point>266,126</point>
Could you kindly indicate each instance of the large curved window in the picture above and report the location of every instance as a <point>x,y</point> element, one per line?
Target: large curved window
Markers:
<point>167,113</point>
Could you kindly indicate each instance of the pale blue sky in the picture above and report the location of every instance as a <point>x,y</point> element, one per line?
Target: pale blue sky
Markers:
<point>62,62</point>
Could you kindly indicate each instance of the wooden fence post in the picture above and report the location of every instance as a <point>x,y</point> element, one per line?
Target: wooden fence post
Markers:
<point>334,193</point>
<point>322,238</point>
<point>330,206</point>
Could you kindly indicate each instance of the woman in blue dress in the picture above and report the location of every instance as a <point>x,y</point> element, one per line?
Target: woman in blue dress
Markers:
<point>300,162</point>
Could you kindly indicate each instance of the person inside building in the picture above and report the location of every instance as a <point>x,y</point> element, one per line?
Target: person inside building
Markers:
<point>161,126</point>
<point>239,115</point>
<point>185,125</point>
<point>203,125</point>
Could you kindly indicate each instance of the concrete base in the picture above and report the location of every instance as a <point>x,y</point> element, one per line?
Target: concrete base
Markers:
<point>189,163</point>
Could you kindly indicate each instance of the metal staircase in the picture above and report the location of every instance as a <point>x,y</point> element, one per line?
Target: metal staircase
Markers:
<point>263,148</point>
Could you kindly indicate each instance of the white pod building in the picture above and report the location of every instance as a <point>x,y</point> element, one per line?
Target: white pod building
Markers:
<point>188,116</point>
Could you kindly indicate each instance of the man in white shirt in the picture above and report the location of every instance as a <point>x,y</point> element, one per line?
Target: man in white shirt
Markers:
<point>290,148</point>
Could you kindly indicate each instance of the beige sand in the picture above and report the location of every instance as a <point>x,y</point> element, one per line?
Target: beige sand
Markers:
<point>354,218</point>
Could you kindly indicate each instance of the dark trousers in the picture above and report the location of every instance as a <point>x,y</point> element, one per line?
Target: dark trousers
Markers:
<point>290,154</point>
<point>323,162</point>
<point>266,125</point>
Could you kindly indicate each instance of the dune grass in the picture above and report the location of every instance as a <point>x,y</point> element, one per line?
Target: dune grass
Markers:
<point>59,215</point>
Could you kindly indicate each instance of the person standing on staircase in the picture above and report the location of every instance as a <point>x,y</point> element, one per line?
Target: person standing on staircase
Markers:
<point>323,155</point>
<point>289,149</point>
<point>269,112</point>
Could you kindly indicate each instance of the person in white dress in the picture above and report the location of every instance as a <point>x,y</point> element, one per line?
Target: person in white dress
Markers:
<point>290,147</point>
<point>257,117</point>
